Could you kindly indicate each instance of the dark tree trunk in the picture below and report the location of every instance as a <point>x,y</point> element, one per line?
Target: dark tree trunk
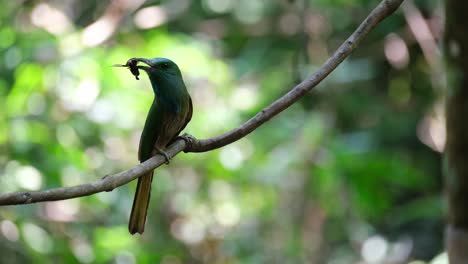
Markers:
<point>456,152</point>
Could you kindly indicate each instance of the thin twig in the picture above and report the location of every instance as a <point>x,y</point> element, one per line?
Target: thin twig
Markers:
<point>383,10</point>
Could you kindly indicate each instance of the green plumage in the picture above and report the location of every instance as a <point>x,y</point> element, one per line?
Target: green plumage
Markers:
<point>169,114</point>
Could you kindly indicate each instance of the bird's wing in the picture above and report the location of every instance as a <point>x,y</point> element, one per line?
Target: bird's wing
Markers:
<point>188,117</point>
<point>151,132</point>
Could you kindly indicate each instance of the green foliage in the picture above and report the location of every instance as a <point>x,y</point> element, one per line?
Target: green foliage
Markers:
<point>355,159</point>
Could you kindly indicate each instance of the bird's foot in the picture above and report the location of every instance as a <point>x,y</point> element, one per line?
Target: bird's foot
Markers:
<point>162,152</point>
<point>186,137</point>
<point>189,139</point>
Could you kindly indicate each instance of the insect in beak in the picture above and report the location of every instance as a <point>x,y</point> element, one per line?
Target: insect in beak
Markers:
<point>132,65</point>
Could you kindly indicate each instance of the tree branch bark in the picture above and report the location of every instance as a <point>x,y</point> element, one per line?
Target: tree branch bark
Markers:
<point>108,183</point>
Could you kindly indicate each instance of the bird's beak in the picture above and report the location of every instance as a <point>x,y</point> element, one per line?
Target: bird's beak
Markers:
<point>145,61</point>
<point>133,61</point>
<point>133,67</point>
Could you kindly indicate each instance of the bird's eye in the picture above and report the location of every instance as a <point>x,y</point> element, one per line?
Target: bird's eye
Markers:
<point>164,65</point>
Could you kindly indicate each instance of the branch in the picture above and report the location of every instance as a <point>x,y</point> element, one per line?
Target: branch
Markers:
<point>108,183</point>
<point>383,10</point>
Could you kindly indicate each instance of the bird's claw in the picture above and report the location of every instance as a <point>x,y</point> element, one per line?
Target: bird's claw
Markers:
<point>162,152</point>
<point>189,139</point>
<point>186,137</point>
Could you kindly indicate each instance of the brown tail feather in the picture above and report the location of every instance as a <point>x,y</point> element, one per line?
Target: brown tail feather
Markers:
<point>141,201</point>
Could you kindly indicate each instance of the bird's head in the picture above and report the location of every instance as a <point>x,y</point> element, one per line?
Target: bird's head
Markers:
<point>163,73</point>
<point>155,67</point>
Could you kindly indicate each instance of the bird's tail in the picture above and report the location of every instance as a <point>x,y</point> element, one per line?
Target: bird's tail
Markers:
<point>140,204</point>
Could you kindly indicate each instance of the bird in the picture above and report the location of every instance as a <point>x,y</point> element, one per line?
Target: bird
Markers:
<point>168,115</point>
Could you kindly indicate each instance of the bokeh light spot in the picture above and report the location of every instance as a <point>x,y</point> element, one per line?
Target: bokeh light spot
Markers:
<point>29,178</point>
<point>244,97</point>
<point>220,190</point>
<point>99,31</point>
<point>227,214</point>
<point>37,238</point>
<point>9,230</point>
<point>66,135</point>
<point>81,97</point>
<point>231,157</point>
<point>36,104</point>
<point>374,249</point>
<point>82,250</point>
<point>12,57</point>
<point>396,51</point>
<point>125,257</point>
<point>63,211</point>
<point>190,231</point>
<point>50,18</point>
<point>218,6</point>
<point>150,17</point>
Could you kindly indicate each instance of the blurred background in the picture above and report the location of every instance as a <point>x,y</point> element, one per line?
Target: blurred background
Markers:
<point>350,174</point>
